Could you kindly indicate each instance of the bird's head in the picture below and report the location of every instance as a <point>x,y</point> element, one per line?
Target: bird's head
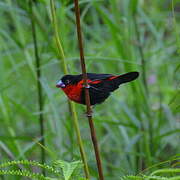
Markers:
<point>66,80</point>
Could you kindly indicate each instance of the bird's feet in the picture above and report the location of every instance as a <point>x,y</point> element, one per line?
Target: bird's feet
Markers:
<point>86,86</point>
<point>89,114</point>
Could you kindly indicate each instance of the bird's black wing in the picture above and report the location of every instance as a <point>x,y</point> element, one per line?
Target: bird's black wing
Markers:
<point>91,76</point>
<point>100,91</point>
<point>94,76</point>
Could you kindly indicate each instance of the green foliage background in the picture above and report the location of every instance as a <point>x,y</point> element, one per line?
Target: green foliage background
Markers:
<point>137,126</point>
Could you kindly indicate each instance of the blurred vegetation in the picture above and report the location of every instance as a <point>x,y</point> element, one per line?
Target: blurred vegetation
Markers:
<point>137,127</point>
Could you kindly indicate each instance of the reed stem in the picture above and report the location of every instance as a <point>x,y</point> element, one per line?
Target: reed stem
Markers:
<point>149,146</point>
<point>143,62</point>
<point>72,105</point>
<point>87,97</point>
<point>39,87</point>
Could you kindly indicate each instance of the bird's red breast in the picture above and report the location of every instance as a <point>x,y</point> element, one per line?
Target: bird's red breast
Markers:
<point>74,91</point>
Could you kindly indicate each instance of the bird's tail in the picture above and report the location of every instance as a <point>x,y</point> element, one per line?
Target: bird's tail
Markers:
<point>128,77</point>
<point>124,78</point>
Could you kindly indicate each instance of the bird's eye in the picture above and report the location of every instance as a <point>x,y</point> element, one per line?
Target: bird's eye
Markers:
<point>67,81</point>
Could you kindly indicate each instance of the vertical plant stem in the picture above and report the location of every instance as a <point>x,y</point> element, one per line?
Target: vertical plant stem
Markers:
<point>143,62</point>
<point>81,148</point>
<point>72,105</point>
<point>39,87</point>
<point>57,39</point>
<point>87,98</point>
<point>149,146</point>
<point>176,30</point>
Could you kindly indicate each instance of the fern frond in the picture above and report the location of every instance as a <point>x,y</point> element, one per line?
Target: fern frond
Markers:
<point>24,173</point>
<point>31,163</point>
<point>143,177</point>
<point>174,178</point>
<point>165,171</point>
<point>131,177</point>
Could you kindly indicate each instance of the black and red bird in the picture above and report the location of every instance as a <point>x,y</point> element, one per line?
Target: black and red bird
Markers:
<point>100,86</point>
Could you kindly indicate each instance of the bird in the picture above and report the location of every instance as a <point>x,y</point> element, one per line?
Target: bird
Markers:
<point>100,86</point>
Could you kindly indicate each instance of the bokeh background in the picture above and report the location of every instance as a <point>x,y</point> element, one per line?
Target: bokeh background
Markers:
<point>137,127</point>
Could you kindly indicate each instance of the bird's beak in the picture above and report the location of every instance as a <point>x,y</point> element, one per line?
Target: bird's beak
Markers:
<point>60,84</point>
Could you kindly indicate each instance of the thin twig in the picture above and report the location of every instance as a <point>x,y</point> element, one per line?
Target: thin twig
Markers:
<point>71,104</point>
<point>39,87</point>
<point>87,97</point>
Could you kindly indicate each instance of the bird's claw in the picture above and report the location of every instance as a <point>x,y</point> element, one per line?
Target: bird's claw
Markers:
<point>89,114</point>
<point>87,87</point>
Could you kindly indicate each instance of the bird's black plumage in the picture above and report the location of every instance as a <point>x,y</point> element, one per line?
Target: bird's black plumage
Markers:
<point>101,91</point>
<point>74,79</point>
<point>100,86</point>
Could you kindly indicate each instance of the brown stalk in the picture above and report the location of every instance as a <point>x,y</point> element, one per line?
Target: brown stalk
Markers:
<point>86,86</point>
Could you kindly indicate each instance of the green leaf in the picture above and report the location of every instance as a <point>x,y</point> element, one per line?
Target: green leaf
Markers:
<point>68,169</point>
<point>133,6</point>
